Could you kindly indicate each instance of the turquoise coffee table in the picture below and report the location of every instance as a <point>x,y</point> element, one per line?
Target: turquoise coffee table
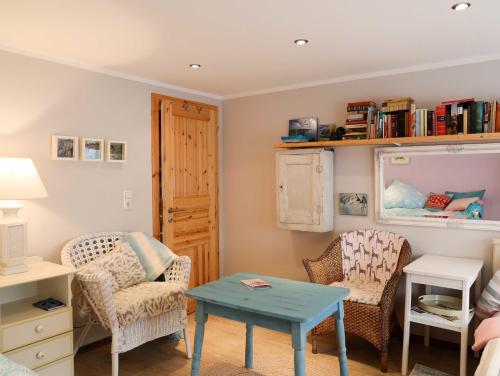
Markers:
<point>289,306</point>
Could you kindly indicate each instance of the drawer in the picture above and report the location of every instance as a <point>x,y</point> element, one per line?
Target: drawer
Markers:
<point>36,329</point>
<point>44,352</point>
<point>63,367</point>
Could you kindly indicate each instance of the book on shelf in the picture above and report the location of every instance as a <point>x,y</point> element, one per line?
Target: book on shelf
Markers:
<point>400,117</point>
<point>255,283</point>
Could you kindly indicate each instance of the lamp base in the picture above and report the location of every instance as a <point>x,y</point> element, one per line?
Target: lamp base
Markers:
<point>12,239</point>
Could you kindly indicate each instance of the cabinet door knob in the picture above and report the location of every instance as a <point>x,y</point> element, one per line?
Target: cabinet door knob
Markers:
<point>40,355</point>
<point>39,328</point>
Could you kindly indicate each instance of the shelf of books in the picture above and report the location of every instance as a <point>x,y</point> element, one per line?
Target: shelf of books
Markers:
<point>400,122</point>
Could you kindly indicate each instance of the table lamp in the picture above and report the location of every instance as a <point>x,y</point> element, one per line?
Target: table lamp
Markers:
<point>19,180</point>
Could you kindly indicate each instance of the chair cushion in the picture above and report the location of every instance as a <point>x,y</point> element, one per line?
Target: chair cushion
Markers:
<point>362,292</point>
<point>123,265</point>
<point>148,299</point>
<point>370,255</point>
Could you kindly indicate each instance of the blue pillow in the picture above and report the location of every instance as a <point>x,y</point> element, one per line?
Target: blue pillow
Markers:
<point>457,195</point>
<point>402,195</point>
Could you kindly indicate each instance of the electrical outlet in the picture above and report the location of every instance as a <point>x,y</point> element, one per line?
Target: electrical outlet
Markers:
<point>127,200</point>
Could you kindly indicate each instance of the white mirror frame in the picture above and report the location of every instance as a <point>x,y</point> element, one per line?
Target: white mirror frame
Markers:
<point>408,151</point>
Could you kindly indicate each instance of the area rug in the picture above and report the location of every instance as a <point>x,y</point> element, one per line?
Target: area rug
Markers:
<point>420,370</point>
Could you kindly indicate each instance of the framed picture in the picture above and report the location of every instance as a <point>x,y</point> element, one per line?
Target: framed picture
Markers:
<point>92,149</point>
<point>353,204</point>
<point>64,148</point>
<point>117,151</point>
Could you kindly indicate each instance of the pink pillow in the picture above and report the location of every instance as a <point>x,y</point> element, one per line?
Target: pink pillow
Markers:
<point>488,329</point>
<point>461,204</point>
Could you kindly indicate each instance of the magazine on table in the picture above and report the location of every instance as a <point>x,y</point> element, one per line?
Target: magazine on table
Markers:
<point>256,283</point>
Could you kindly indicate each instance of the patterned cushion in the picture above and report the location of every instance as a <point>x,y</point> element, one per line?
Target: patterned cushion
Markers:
<point>148,299</point>
<point>370,255</point>
<point>123,265</point>
<point>402,195</point>
<point>439,202</point>
<point>362,292</point>
<point>9,368</point>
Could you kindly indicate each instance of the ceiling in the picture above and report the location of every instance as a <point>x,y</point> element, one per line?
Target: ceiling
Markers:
<point>247,47</point>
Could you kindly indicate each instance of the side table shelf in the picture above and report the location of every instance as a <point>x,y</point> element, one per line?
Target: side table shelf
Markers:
<point>38,339</point>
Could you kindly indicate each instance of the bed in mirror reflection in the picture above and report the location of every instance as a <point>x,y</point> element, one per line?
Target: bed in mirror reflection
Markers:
<point>439,186</point>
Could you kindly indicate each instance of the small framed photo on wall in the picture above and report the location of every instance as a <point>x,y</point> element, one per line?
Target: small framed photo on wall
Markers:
<point>64,148</point>
<point>116,151</point>
<point>92,149</point>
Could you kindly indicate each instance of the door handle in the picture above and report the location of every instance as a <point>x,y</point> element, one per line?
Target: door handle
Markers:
<point>175,210</point>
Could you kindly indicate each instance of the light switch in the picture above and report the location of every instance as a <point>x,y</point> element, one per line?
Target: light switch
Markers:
<point>127,200</point>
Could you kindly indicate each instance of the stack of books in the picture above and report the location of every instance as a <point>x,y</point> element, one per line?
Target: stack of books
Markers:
<point>464,116</point>
<point>396,118</point>
<point>359,120</point>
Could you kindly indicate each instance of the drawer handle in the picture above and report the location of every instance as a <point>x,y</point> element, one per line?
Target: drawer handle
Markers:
<point>40,355</point>
<point>39,328</point>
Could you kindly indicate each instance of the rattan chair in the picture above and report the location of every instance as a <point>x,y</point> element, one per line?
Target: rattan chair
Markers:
<point>94,298</point>
<point>372,322</point>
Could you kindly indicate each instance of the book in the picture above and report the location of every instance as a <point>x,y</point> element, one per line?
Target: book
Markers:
<point>430,123</point>
<point>351,117</point>
<point>49,304</point>
<point>458,101</point>
<point>440,120</point>
<point>476,117</point>
<point>256,283</point>
<point>497,117</point>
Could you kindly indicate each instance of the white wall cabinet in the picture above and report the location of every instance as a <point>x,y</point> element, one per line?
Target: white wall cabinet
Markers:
<point>304,190</point>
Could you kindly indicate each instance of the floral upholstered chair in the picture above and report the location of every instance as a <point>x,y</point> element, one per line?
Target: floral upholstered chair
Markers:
<point>111,289</point>
<point>370,264</point>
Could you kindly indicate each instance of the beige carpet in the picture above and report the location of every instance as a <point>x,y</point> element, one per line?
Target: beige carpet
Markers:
<point>224,355</point>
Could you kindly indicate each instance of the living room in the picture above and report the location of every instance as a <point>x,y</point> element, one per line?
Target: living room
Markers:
<point>201,149</point>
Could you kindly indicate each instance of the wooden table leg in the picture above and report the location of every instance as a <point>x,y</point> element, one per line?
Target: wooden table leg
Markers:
<point>341,348</point>
<point>249,347</point>
<point>298,344</point>
<point>406,330</point>
<point>201,318</point>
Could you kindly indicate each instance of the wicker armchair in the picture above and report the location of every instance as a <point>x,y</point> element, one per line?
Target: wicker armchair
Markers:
<point>372,322</point>
<point>94,298</point>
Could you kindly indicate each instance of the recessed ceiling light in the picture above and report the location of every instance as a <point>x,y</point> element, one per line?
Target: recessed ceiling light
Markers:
<point>195,66</point>
<point>300,42</point>
<point>460,6</point>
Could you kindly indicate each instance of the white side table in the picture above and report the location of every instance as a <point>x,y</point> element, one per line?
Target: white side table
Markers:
<point>449,272</point>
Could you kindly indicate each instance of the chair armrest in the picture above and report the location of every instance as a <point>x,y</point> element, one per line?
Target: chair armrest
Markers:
<point>389,293</point>
<point>96,287</point>
<point>327,268</point>
<point>179,271</point>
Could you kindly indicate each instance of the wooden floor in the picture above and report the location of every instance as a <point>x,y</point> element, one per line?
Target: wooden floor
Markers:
<point>224,354</point>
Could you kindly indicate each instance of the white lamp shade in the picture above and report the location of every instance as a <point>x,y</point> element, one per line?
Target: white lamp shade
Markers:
<point>19,180</point>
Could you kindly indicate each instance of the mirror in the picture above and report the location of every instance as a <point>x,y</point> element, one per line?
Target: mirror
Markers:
<point>454,186</point>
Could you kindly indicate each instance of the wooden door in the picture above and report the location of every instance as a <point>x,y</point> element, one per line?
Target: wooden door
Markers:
<point>188,212</point>
<point>298,189</point>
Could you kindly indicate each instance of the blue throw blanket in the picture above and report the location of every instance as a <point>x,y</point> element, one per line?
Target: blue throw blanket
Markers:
<point>154,256</point>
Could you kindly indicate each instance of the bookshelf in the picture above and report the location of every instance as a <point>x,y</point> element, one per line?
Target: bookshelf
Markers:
<point>425,140</point>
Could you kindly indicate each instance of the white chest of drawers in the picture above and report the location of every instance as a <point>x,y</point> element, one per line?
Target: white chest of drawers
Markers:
<point>37,339</point>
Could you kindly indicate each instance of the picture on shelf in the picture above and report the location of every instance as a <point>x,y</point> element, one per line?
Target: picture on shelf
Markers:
<point>117,151</point>
<point>92,149</point>
<point>64,148</point>
<point>353,204</point>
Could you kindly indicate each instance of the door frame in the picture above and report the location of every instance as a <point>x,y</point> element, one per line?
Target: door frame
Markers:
<point>156,100</point>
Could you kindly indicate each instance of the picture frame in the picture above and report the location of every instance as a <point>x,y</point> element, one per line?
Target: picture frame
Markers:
<point>353,204</point>
<point>91,149</point>
<point>116,151</point>
<point>64,148</point>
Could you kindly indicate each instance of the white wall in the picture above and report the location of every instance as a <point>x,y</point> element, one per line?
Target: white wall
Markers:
<point>253,124</point>
<point>38,99</point>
